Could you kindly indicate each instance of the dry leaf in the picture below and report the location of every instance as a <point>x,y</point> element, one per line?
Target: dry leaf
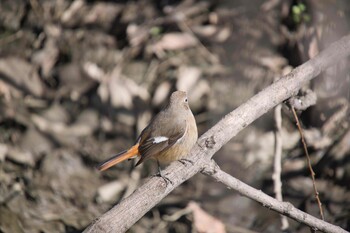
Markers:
<point>76,6</point>
<point>93,71</point>
<point>109,192</point>
<point>161,93</point>
<point>22,75</point>
<point>102,14</point>
<point>137,35</point>
<point>218,34</point>
<point>175,41</point>
<point>205,30</point>
<point>3,151</point>
<point>187,77</point>
<point>201,88</point>
<point>205,223</point>
<point>313,48</point>
<point>274,63</point>
<point>121,90</point>
<point>47,57</point>
<point>5,90</point>
<point>22,157</point>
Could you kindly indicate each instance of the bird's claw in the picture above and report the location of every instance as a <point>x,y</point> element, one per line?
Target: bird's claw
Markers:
<point>186,161</point>
<point>163,176</point>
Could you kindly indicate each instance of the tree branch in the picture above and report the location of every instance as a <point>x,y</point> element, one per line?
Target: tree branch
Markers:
<point>122,216</point>
<point>284,208</point>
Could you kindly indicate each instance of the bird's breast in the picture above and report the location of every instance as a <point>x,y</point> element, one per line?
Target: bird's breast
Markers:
<point>182,147</point>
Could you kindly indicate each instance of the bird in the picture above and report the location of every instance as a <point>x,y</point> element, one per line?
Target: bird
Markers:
<point>169,136</point>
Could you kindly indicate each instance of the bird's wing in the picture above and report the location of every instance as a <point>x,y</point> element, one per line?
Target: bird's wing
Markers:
<point>164,139</point>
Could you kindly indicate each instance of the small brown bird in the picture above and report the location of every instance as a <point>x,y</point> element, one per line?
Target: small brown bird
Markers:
<point>170,136</point>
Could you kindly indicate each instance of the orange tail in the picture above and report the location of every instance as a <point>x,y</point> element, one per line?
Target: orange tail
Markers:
<point>124,155</point>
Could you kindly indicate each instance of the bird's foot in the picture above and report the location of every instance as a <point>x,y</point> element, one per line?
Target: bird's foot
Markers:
<point>163,176</point>
<point>186,161</point>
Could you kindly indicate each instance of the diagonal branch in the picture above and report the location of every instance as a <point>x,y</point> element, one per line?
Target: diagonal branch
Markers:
<point>284,208</point>
<point>122,216</point>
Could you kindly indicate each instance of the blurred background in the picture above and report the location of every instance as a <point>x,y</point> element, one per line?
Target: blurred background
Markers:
<point>79,80</point>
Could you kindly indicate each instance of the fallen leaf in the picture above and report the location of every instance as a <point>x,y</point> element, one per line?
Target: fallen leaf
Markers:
<point>187,77</point>
<point>109,192</point>
<point>313,48</point>
<point>161,94</point>
<point>121,90</point>
<point>102,14</point>
<point>22,157</point>
<point>10,222</point>
<point>22,75</point>
<point>3,151</point>
<point>175,41</point>
<point>204,222</point>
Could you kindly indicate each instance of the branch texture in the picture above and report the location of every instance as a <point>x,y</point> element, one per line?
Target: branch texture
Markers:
<point>131,209</point>
<point>284,208</point>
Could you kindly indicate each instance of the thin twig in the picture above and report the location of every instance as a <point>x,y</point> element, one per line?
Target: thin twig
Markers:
<point>276,176</point>
<point>285,208</point>
<point>308,161</point>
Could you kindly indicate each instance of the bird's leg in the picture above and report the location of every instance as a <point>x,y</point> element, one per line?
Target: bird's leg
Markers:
<point>185,161</point>
<point>166,179</point>
<point>159,169</point>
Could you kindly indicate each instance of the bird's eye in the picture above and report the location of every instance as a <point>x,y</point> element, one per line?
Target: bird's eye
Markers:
<point>186,100</point>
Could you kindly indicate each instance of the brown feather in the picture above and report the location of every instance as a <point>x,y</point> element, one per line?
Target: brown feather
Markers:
<point>175,122</point>
<point>148,148</point>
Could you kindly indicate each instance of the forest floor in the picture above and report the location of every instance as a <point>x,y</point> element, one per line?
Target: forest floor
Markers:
<point>79,80</point>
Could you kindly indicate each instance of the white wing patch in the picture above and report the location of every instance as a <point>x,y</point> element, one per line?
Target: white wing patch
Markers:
<point>159,139</point>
